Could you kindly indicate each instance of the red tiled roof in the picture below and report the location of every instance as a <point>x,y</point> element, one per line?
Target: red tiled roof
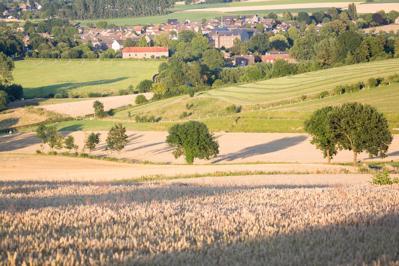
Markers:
<point>155,49</point>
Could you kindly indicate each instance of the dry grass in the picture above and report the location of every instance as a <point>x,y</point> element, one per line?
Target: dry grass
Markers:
<point>189,224</point>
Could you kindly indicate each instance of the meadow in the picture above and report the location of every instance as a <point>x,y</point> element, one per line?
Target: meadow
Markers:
<point>221,222</point>
<point>81,77</point>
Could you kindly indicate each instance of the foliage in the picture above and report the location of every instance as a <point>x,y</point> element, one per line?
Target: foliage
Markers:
<point>69,143</point>
<point>92,140</point>
<point>117,138</point>
<point>98,109</point>
<point>383,178</point>
<point>147,119</point>
<point>3,100</point>
<point>213,59</point>
<point>49,135</point>
<point>140,99</point>
<point>318,126</point>
<point>144,86</point>
<point>6,67</point>
<point>359,128</point>
<point>193,140</point>
<point>234,108</point>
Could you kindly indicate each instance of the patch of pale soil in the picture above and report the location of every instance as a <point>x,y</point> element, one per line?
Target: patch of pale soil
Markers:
<point>386,28</point>
<point>361,8</point>
<point>234,148</point>
<point>85,107</point>
<point>24,167</point>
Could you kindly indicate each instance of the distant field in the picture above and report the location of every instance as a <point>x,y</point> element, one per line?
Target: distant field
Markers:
<point>80,77</point>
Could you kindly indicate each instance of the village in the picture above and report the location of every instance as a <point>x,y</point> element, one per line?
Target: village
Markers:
<point>221,33</point>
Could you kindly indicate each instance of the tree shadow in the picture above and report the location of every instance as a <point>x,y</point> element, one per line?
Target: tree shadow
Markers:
<point>395,153</point>
<point>75,127</point>
<point>15,142</point>
<point>8,123</point>
<point>55,88</point>
<point>146,146</point>
<point>137,193</point>
<point>273,146</point>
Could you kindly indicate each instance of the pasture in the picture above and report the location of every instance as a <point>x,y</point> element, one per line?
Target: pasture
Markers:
<point>81,77</point>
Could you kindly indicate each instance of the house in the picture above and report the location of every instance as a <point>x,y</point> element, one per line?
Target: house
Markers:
<point>274,56</point>
<point>117,45</point>
<point>225,38</point>
<point>244,60</point>
<point>145,52</point>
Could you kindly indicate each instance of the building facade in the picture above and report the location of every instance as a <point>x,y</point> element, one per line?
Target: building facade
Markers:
<point>145,52</point>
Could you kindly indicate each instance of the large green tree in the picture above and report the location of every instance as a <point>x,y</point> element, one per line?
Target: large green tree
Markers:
<point>117,138</point>
<point>193,140</point>
<point>318,126</point>
<point>6,68</point>
<point>360,127</point>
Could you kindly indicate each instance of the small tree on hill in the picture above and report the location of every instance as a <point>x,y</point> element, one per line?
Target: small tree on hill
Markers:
<point>98,109</point>
<point>117,138</point>
<point>318,126</point>
<point>50,136</point>
<point>69,143</point>
<point>92,140</point>
<point>359,128</point>
<point>193,140</point>
<point>144,86</point>
<point>140,99</point>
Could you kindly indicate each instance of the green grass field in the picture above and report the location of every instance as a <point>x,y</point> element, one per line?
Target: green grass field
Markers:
<point>268,106</point>
<point>80,77</point>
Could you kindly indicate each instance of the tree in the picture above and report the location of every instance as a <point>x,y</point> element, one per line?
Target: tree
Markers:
<point>6,67</point>
<point>69,143</point>
<point>327,52</point>
<point>278,42</point>
<point>98,109</point>
<point>117,138</point>
<point>352,11</point>
<point>193,140</point>
<point>213,59</point>
<point>144,86</point>
<point>140,99</point>
<point>92,140</point>
<point>49,135</point>
<point>318,126</point>
<point>359,128</point>
<point>259,43</point>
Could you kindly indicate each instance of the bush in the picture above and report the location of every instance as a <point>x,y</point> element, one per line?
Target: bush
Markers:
<point>217,83</point>
<point>98,109</point>
<point>14,91</point>
<point>193,140</point>
<point>144,86</point>
<point>373,82</point>
<point>117,138</point>
<point>189,106</point>
<point>140,99</point>
<point>234,108</point>
<point>185,114</point>
<point>191,92</point>
<point>92,140</point>
<point>383,178</point>
<point>147,119</point>
<point>324,94</point>
<point>340,89</point>
<point>62,94</point>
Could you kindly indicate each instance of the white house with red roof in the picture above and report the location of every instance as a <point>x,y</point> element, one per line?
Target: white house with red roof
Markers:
<point>145,52</point>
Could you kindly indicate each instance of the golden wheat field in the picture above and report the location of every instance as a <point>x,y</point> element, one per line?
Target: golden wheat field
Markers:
<point>177,223</point>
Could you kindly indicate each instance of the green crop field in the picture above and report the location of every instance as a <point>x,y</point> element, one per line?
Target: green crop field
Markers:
<point>80,77</point>
<point>267,106</point>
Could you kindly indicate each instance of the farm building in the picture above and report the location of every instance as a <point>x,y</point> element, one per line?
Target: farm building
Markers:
<point>244,60</point>
<point>274,56</point>
<point>225,38</point>
<point>145,52</point>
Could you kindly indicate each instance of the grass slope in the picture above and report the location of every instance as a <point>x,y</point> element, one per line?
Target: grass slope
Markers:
<point>80,77</point>
<point>266,104</point>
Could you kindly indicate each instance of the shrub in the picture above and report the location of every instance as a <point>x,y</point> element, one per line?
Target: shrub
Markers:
<point>147,119</point>
<point>383,178</point>
<point>189,106</point>
<point>14,91</point>
<point>191,92</point>
<point>234,108</point>
<point>92,140</point>
<point>185,114</point>
<point>98,109</point>
<point>140,99</point>
<point>69,143</point>
<point>144,86</point>
<point>372,82</point>
<point>324,94</point>
<point>304,97</point>
<point>217,83</point>
<point>193,140</point>
<point>340,89</point>
<point>62,94</point>
<point>117,138</point>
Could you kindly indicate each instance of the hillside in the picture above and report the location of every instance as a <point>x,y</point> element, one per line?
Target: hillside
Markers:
<point>275,105</point>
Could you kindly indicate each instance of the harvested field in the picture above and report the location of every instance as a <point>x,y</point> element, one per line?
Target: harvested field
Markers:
<point>195,224</point>
<point>18,167</point>
<point>386,28</point>
<point>234,148</point>
<point>85,107</point>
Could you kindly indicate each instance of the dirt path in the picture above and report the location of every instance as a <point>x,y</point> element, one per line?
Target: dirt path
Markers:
<point>23,167</point>
<point>85,107</point>
<point>234,148</point>
<point>361,8</point>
